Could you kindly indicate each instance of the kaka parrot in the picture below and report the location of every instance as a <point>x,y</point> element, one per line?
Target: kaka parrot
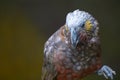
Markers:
<point>74,50</point>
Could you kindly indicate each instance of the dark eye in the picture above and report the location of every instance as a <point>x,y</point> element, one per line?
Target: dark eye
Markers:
<point>82,25</point>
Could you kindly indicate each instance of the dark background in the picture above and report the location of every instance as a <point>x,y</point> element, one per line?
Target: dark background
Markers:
<point>25,25</point>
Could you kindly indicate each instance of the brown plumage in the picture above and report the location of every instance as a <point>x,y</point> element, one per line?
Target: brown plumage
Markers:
<point>67,57</point>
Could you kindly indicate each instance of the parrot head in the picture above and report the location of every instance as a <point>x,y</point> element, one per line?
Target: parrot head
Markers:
<point>81,23</point>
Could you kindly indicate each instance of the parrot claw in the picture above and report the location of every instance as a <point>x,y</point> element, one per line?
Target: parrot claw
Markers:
<point>107,72</point>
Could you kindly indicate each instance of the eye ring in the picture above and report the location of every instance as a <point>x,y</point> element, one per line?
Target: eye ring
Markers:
<point>88,25</point>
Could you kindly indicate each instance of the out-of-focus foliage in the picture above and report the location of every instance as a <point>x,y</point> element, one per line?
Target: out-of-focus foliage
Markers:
<point>21,48</point>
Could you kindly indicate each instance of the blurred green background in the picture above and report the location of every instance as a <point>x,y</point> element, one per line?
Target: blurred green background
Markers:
<point>25,25</point>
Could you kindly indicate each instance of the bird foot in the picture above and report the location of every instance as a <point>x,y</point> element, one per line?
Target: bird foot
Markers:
<point>107,72</point>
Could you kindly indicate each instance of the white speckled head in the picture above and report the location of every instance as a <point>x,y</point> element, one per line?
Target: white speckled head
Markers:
<point>76,21</point>
<point>77,18</point>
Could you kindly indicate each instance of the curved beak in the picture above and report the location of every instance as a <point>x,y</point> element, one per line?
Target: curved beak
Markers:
<point>74,37</point>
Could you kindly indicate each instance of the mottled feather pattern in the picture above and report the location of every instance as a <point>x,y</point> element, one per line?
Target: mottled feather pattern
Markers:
<point>67,61</point>
<point>66,58</point>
